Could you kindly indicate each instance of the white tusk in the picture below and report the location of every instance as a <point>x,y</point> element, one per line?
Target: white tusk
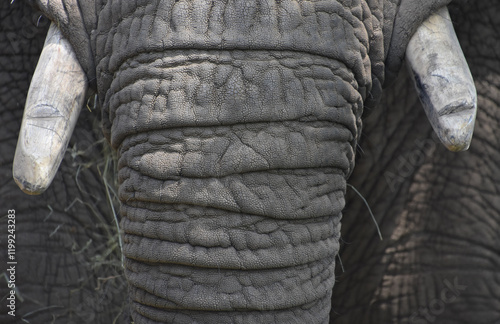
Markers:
<point>56,95</point>
<point>443,80</point>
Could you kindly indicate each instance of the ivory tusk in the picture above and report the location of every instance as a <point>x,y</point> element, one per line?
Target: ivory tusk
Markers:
<point>443,80</point>
<point>56,95</point>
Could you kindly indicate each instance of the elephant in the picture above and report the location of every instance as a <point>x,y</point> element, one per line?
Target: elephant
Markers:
<point>230,200</point>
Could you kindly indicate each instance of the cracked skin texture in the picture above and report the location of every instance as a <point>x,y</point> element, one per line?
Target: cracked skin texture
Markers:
<point>202,151</point>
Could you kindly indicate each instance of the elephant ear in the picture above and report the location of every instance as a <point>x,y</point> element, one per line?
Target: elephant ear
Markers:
<point>76,19</point>
<point>409,16</point>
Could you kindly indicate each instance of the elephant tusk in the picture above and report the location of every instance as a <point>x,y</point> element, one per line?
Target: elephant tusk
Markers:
<point>56,95</point>
<point>443,80</point>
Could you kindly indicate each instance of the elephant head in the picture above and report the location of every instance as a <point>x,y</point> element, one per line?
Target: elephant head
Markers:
<point>236,125</point>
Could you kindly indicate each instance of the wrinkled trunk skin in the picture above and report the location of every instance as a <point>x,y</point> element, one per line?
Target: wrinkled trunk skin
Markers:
<point>235,204</point>
<point>233,163</point>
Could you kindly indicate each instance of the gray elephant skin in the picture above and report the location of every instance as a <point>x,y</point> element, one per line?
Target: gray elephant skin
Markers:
<point>233,127</point>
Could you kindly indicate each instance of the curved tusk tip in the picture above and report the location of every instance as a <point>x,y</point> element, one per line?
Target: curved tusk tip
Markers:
<point>29,188</point>
<point>456,127</point>
<point>34,169</point>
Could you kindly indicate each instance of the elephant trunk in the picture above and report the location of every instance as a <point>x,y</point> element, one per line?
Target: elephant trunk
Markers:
<point>232,169</point>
